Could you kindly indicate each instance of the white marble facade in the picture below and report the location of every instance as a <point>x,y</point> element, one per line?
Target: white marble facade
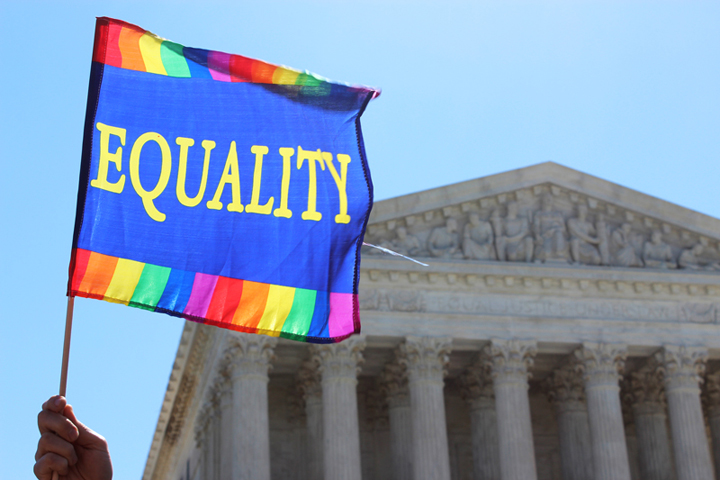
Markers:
<point>566,329</point>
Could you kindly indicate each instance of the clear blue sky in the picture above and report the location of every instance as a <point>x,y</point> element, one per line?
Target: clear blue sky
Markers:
<point>628,91</point>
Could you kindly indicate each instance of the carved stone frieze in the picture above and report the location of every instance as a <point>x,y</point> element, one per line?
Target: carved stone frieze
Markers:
<point>547,224</point>
<point>395,300</point>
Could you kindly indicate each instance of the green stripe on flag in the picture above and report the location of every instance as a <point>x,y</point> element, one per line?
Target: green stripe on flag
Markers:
<point>301,314</point>
<point>150,287</point>
<point>173,60</point>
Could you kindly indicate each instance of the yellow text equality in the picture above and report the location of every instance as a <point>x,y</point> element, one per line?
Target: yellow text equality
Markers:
<point>310,159</point>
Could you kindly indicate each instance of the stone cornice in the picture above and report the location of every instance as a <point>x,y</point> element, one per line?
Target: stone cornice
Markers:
<point>182,389</point>
<point>511,277</point>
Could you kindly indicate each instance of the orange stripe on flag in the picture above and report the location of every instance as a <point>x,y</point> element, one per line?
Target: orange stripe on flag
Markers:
<point>252,304</point>
<point>98,275</point>
<point>129,43</point>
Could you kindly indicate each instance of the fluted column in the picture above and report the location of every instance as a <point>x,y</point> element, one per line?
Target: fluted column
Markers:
<point>248,358</point>
<point>395,384</point>
<point>601,364</point>
<point>509,361</point>
<point>308,381</point>
<point>567,394</point>
<point>377,416</point>
<point>712,401</point>
<point>339,366</point>
<point>227,445</point>
<point>682,368</point>
<point>646,394</point>
<point>476,388</point>
<point>206,437</point>
<point>426,359</point>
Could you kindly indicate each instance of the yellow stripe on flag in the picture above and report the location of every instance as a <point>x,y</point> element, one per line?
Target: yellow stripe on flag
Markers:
<point>150,50</point>
<point>278,306</point>
<point>285,76</point>
<point>124,280</point>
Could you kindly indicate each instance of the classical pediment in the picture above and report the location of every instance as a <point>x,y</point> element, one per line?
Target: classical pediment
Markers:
<point>546,214</point>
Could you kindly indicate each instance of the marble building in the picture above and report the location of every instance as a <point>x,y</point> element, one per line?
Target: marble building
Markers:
<point>566,328</point>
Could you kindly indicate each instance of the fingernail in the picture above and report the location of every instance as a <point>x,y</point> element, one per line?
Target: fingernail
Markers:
<point>57,401</point>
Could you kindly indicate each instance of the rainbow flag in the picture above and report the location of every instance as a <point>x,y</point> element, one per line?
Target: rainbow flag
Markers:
<point>221,189</point>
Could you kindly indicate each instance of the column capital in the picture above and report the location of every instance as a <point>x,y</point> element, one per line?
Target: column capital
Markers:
<point>711,394</point>
<point>339,360</point>
<point>682,367</point>
<point>425,357</point>
<point>248,354</point>
<point>564,387</point>
<point>394,380</point>
<point>644,389</point>
<point>601,363</point>
<point>376,407</point>
<point>510,360</point>
<point>203,421</point>
<point>476,385</point>
<point>308,380</point>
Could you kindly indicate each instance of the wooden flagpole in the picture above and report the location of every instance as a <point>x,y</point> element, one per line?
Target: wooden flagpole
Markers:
<point>66,355</point>
<point>66,346</point>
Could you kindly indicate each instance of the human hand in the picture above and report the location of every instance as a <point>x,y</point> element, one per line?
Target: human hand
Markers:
<point>67,447</point>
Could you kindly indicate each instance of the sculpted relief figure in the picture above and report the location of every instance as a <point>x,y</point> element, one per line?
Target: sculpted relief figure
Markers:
<point>405,243</point>
<point>478,239</point>
<point>625,254</point>
<point>585,239</point>
<point>691,259</point>
<point>443,241</point>
<point>550,234</point>
<point>512,236</point>
<point>657,254</point>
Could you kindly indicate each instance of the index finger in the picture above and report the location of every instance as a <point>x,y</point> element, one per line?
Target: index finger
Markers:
<point>56,403</point>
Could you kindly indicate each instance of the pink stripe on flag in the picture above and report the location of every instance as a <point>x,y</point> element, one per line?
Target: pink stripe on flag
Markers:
<point>341,314</point>
<point>202,292</point>
<point>219,66</point>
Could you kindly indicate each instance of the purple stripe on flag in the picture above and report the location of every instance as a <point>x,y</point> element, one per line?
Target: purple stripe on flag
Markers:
<point>341,314</point>
<point>202,292</point>
<point>219,66</point>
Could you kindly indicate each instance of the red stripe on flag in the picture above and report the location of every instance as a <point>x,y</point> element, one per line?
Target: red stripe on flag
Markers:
<point>80,258</point>
<point>101,34</point>
<point>225,300</point>
<point>240,68</point>
<point>113,56</point>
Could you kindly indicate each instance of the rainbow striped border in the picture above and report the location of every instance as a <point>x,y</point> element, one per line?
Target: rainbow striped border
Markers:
<point>252,307</point>
<point>124,45</point>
